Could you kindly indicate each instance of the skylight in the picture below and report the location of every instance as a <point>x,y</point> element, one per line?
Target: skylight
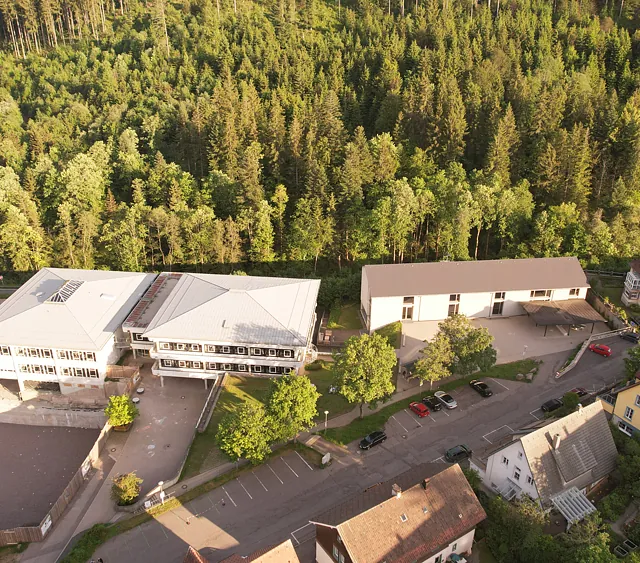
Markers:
<point>67,290</point>
<point>403,517</point>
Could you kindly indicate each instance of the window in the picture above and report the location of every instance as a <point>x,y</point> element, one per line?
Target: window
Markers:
<point>91,357</point>
<point>454,547</point>
<point>93,372</point>
<point>241,350</point>
<point>181,347</point>
<point>5,350</point>
<point>51,370</point>
<point>242,367</point>
<point>78,372</point>
<point>438,559</point>
<point>47,353</point>
<point>453,309</point>
<point>165,346</point>
<point>75,355</point>
<point>66,371</point>
<point>273,352</point>
<point>505,460</point>
<point>341,558</point>
<point>257,369</point>
<point>519,455</point>
<point>408,301</point>
<point>516,473</point>
<point>287,370</point>
<point>608,399</point>
<point>167,363</point>
<point>182,364</point>
<point>529,480</point>
<point>226,349</point>
<point>256,351</point>
<point>498,296</point>
<point>575,292</point>
<point>197,365</point>
<point>628,430</point>
<point>336,553</point>
<point>638,400</point>
<point>210,348</point>
<point>455,297</point>
<point>407,313</point>
<point>211,365</point>
<point>540,293</point>
<point>227,367</point>
<point>497,308</point>
<point>288,353</point>
<point>36,369</point>
<point>273,369</point>
<point>403,517</point>
<point>628,413</point>
<point>195,347</point>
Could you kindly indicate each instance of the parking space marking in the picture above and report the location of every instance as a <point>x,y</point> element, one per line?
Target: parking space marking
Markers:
<point>489,433</point>
<point>304,461</point>
<point>501,385</point>
<point>292,471</point>
<point>272,471</point>
<point>444,410</point>
<point>245,488</point>
<point>533,415</point>
<point>225,491</point>
<point>394,418</point>
<point>293,534</point>
<point>145,537</point>
<point>438,459</point>
<point>432,418</point>
<point>259,481</point>
<point>414,419</point>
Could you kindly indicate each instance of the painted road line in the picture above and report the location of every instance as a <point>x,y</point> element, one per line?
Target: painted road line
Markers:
<point>432,418</point>
<point>489,433</point>
<point>394,418</point>
<point>292,471</point>
<point>245,488</point>
<point>501,385</point>
<point>258,478</point>
<point>272,471</point>
<point>533,415</point>
<point>413,418</point>
<point>293,534</point>
<point>441,458</point>
<point>225,491</point>
<point>304,461</point>
<point>444,410</point>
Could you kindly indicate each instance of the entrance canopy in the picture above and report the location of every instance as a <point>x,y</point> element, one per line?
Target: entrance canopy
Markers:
<point>566,312</point>
<point>573,505</point>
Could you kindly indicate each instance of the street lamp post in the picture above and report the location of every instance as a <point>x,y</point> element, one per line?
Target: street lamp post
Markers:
<point>524,351</point>
<point>160,483</point>
<point>326,416</point>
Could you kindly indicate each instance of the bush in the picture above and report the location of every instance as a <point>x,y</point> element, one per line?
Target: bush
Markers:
<point>314,366</point>
<point>634,533</point>
<point>126,489</point>
<point>613,505</point>
<point>121,410</point>
<point>93,538</point>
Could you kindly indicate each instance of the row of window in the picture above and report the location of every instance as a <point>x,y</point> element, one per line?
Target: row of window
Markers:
<point>217,349</point>
<point>137,337</point>
<point>33,368</point>
<point>80,372</point>
<point>516,470</point>
<point>51,370</point>
<point>77,355</point>
<point>213,366</point>
<point>47,353</point>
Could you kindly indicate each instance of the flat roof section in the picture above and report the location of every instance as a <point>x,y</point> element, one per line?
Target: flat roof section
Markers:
<point>566,312</point>
<point>481,276</point>
<point>151,301</point>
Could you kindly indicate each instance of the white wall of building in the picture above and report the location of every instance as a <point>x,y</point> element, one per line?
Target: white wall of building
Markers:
<point>430,307</point>
<point>461,545</point>
<point>385,310</point>
<point>498,473</point>
<point>322,556</point>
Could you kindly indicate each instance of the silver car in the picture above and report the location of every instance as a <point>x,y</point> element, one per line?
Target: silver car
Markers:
<point>447,400</point>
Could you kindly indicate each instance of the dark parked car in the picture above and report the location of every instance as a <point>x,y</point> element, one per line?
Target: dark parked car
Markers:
<point>579,391</point>
<point>481,387</point>
<point>372,439</point>
<point>631,337</point>
<point>457,453</point>
<point>552,405</point>
<point>432,403</point>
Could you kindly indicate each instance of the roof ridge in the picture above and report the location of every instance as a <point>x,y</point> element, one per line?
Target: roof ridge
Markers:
<point>296,336</point>
<point>20,312</point>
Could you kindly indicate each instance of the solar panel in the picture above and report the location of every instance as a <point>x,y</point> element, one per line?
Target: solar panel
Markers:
<point>67,290</point>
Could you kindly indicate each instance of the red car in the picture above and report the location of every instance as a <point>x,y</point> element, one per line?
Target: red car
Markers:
<point>601,349</point>
<point>419,409</point>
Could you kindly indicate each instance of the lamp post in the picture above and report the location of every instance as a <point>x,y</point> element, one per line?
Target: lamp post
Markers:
<point>524,351</point>
<point>326,416</point>
<point>160,483</point>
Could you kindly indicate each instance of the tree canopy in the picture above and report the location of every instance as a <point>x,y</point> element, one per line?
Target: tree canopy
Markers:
<point>291,405</point>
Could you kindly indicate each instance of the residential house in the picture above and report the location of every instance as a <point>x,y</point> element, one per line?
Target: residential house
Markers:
<point>282,553</point>
<point>201,325</point>
<point>423,515</point>
<point>488,288</point>
<point>63,326</point>
<point>554,461</point>
<point>631,292</point>
<point>623,404</point>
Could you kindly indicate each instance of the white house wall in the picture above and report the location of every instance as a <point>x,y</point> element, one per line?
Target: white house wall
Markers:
<point>385,310</point>
<point>322,556</point>
<point>463,544</point>
<point>498,474</point>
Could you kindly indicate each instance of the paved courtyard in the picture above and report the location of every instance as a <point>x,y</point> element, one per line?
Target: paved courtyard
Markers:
<point>515,338</point>
<point>37,464</point>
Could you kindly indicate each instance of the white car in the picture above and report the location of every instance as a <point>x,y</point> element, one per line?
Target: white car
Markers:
<point>447,400</point>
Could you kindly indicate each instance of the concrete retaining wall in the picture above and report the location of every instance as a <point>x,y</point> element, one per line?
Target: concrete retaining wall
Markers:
<point>15,412</point>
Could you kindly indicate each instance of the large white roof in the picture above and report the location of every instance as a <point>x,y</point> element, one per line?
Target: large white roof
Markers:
<point>237,309</point>
<point>72,309</point>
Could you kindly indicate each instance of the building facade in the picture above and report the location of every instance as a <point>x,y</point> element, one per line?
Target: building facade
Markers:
<point>433,291</point>
<point>631,292</point>
<point>64,326</point>
<point>624,406</point>
<point>202,325</point>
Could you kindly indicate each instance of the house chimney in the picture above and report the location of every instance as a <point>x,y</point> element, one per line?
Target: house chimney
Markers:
<point>396,491</point>
<point>579,407</point>
<point>556,442</point>
<point>424,483</point>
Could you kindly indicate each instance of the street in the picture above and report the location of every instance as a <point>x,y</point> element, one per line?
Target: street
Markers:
<point>276,501</point>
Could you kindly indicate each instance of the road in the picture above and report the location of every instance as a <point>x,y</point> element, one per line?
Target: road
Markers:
<point>276,501</point>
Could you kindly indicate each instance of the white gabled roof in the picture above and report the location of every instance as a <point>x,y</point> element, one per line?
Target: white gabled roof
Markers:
<point>72,309</point>
<point>237,309</point>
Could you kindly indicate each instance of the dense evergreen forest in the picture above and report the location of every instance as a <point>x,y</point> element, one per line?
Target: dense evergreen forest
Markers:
<point>204,133</point>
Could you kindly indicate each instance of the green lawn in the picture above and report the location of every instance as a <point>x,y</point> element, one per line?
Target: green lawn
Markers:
<point>392,333</point>
<point>376,421</point>
<point>345,317</point>
<point>204,454</point>
<point>333,402</point>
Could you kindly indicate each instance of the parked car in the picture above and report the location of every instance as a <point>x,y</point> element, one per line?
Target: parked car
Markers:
<point>552,405</point>
<point>420,409</point>
<point>601,349</point>
<point>446,399</point>
<point>579,391</point>
<point>631,337</point>
<point>432,403</point>
<point>457,453</point>
<point>481,387</point>
<point>372,439</point>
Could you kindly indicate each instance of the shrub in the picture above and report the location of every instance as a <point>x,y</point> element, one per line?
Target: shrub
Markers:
<point>314,366</point>
<point>613,505</point>
<point>121,410</point>
<point>90,541</point>
<point>126,489</point>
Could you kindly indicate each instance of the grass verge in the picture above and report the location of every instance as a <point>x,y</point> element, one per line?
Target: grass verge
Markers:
<point>99,534</point>
<point>344,316</point>
<point>392,333</point>
<point>335,403</point>
<point>376,421</point>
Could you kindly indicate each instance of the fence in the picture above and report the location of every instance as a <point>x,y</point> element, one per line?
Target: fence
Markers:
<point>38,533</point>
<point>607,273</point>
